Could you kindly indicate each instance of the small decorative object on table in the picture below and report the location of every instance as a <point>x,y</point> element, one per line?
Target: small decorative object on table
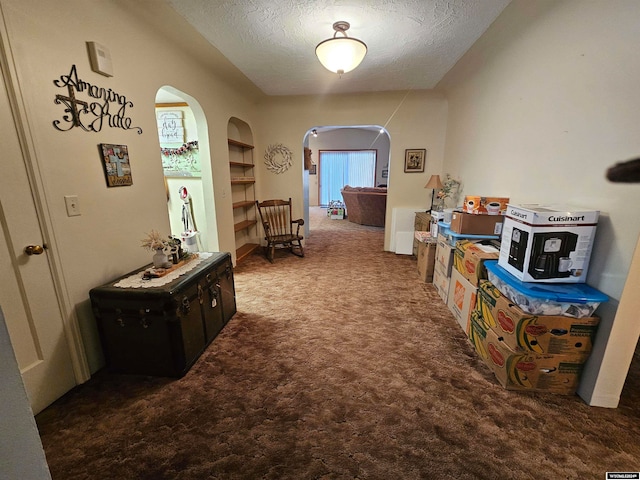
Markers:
<point>158,244</point>
<point>176,249</point>
<point>162,264</point>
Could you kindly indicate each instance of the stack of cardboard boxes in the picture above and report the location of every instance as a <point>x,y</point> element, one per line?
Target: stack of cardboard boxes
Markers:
<point>426,252</point>
<point>514,276</point>
<point>463,245</point>
<point>468,269</point>
<point>533,321</point>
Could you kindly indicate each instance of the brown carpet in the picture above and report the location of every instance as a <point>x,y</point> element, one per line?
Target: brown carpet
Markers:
<point>338,365</point>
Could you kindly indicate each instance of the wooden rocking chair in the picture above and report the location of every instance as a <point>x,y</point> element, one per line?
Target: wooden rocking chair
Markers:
<point>278,227</point>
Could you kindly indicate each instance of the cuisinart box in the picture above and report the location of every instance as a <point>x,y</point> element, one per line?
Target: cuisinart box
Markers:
<point>547,243</point>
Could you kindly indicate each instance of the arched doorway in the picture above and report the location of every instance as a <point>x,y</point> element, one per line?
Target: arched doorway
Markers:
<point>184,152</point>
<point>349,137</point>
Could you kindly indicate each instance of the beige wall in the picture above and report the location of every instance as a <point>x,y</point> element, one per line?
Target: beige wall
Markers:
<point>414,119</point>
<point>539,108</point>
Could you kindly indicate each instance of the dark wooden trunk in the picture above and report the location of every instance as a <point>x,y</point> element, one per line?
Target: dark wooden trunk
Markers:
<point>163,330</point>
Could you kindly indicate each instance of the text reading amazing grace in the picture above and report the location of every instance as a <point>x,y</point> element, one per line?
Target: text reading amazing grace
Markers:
<point>91,116</point>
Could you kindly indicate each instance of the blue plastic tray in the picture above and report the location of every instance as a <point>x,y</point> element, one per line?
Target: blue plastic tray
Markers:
<point>556,292</point>
<point>445,229</point>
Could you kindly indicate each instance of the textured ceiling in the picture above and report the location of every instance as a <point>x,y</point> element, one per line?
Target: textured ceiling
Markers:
<point>411,43</point>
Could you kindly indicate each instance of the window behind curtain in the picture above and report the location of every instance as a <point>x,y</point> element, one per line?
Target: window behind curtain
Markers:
<point>356,168</point>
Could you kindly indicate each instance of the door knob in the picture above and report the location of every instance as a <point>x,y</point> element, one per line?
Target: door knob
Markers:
<point>33,250</point>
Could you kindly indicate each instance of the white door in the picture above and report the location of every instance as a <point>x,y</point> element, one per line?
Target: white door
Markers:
<point>27,294</point>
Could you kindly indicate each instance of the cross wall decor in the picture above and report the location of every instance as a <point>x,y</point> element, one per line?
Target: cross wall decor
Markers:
<point>91,116</point>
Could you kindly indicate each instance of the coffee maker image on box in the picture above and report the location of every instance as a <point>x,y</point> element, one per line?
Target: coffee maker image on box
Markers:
<point>518,248</point>
<point>550,254</point>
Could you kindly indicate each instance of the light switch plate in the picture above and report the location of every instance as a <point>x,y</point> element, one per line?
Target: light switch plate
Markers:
<point>73,207</point>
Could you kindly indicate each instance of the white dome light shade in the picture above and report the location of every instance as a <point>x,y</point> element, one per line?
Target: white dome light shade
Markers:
<point>341,54</point>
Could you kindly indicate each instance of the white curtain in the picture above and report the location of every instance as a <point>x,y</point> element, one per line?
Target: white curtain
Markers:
<point>340,168</point>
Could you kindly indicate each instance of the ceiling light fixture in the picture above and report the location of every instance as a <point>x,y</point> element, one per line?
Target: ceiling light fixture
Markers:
<point>314,132</point>
<point>341,54</point>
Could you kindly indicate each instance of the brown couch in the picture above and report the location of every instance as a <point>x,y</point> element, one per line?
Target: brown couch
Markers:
<point>365,205</point>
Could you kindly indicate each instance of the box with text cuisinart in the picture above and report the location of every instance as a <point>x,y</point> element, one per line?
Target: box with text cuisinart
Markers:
<point>547,243</point>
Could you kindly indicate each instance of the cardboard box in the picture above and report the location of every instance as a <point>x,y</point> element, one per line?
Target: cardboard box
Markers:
<point>425,237</point>
<point>476,224</point>
<point>548,243</point>
<point>485,205</point>
<point>426,261</point>
<point>441,281</point>
<point>526,370</point>
<point>444,254</point>
<point>469,257</point>
<point>522,331</point>
<point>461,299</point>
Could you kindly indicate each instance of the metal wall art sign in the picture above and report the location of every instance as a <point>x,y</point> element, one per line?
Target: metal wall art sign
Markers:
<point>109,107</point>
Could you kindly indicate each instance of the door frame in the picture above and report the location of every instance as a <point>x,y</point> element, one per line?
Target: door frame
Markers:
<point>25,138</point>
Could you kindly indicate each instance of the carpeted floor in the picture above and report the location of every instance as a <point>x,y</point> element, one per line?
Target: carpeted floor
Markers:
<point>338,365</point>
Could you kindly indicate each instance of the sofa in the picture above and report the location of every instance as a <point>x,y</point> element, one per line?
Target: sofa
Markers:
<point>365,205</point>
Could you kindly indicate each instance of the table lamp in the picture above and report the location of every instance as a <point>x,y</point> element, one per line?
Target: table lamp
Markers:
<point>434,184</point>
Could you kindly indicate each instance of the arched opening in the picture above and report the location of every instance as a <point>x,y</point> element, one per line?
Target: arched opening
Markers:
<point>186,161</point>
<point>344,138</point>
<point>243,190</point>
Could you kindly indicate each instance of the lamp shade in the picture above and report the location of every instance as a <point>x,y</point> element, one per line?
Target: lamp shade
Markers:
<point>341,54</point>
<point>434,183</point>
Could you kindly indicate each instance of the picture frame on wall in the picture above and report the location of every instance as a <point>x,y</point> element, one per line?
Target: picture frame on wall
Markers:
<point>312,169</point>
<point>115,161</point>
<point>414,160</point>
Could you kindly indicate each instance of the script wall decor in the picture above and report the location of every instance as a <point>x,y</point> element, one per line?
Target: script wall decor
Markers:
<point>109,107</point>
<point>170,126</point>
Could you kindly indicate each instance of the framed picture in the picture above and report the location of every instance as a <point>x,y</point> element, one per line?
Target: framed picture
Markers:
<point>115,160</point>
<point>170,126</point>
<point>414,160</point>
<point>385,173</point>
<point>312,169</point>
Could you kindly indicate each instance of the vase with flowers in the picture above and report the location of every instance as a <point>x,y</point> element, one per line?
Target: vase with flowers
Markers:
<point>156,243</point>
<point>450,189</point>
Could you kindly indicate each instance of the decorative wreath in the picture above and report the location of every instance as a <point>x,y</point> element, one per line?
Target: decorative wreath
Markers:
<point>278,165</point>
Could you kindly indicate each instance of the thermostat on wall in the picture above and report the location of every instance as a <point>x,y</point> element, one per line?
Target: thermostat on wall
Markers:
<point>100,59</point>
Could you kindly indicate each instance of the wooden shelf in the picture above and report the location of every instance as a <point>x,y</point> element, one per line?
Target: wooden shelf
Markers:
<point>243,192</point>
<point>236,143</point>
<point>245,224</point>
<point>246,203</point>
<point>242,165</point>
<point>246,250</point>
